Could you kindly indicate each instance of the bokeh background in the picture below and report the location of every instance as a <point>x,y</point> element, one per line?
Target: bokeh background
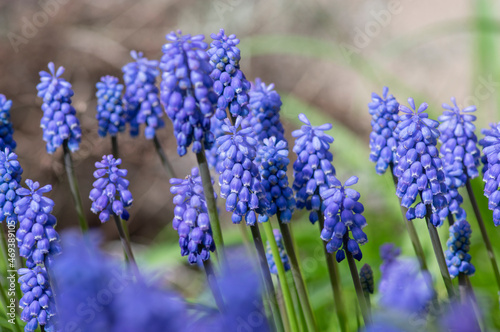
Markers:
<point>324,57</point>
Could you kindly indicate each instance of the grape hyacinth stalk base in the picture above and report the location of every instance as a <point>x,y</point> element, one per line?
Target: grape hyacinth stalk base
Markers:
<point>334,281</point>
<point>214,286</point>
<point>114,146</point>
<point>287,297</point>
<point>163,157</point>
<point>73,184</point>
<point>126,245</point>
<point>484,233</point>
<point>297,276</point>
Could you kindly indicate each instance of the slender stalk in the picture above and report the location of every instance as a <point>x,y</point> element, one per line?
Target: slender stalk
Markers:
<point>281,304</point>
<point>475,307</point>
<point>438,251</point>
<point>114,146</point>
<point>297,276</point>
<point>163,157</point>
<point>368,302</point>
<point>296,303</point>
<point>208,190</point>
<point>266,275</point>
<point>3,245</point>
<point>287,296</point>
<point>214,287</point>
<point>412,232</point>
<point>126,244</point>
<point>335,282</point>
<point>484,233</point>
<point>462,287</point>
<point>245,237</point>
<point>357,285</point>
<point>75,191</point>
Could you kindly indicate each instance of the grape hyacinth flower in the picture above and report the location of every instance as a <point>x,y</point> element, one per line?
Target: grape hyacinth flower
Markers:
<point>187,91</point>
<point>343,215</point>
<point>388,253</point>
<point>419,169</point>
<point>264,118</point>
<point>10,172</point>
<point>273,167</point>
<point>38,300</point>
<point>491,149</point>
<point>213,158</point>
<point>36,237</point>
<point>239,178</point>
<point>283,255</point>
<point>457,255</point>
<point>110,194</point>
<point>191,219</point>
<point>59,121</point>
<point>383,138</point>
<point>313,170</point>
<point>141,95</point>
<point>6,130</point>
<point>110,110</point>
<point>366,278</point>
<point>230,83</point>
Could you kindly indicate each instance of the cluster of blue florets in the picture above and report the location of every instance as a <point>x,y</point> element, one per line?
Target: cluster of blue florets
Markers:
<point>419,168</point>
<point>343,214</point>
<point>313,170</point>
<point>141,95</point>
<point>191,218</point>
<point>274,161</point>
<point>10,178</point>
<point>59,121</point>
<point>383,138</point>
<point>239,178</point>
<point>366,279</point>
<point>283,255</point>
<point>110,194</point>
<point>491,151</point>
<point>230,83</point>
<point>6,130</point>
<point>187,91</point>
<point>111,114</point>
<point>457,255</point>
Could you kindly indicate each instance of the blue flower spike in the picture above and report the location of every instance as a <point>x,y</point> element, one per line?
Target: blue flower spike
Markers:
<point>366,279</point>
<point>110,111</point>
<point>457,255</point>
<point>283,256</point>
<point>491,177</point>
<point>6,130</point>
<point>10,171</point>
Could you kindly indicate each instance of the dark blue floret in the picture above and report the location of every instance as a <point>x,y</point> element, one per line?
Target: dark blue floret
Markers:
<point>191,219</point>
<point>110,194</point>
<point>313,170</point>
<point>419,169</point>
<point>187,91</point>
<point>230,83</point>
<point>141,99</point>
<point>383,139</point>
<point>343,219</point>
<point>491,151</point>
<point>239,176</point>
<point>59,121</point>
<point>274,161</point>
<point>457,255</point>
<point>283,256</point>
<point>366,279</point>
<point>10,178</point>
<point>110,111</point>
<point>6,130</point>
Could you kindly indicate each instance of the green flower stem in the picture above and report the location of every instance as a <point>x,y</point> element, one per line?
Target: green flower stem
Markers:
<point>484,233</point>
<point>300,285</point>
<point>287,296</point>
<point>412,232</point>
<point>163,157</point>
<point>462,287</point>
<point>266,275</point>
<point>75,191</point>
<point>126,245</point>
<point>475,307</point>
<point>365,312</point>
<point>331,263</point>
<point>214,287</point>
<point>438,251</point>
<point>114,146</point>
<point>3,245</point>
<point>281,304</point>
<point>245,237</point>
<point>208,191</point>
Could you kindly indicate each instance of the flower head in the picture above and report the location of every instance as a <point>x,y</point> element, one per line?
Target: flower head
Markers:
<point>388,252</point>
<point>141,95</point>
<point>191,219</point>
<point>6,130</point>
<point>239,175</point>
<point>457,255</point>
<point>383,139</point>
<point>491,149</point>
<point>419,169</point>
<point>110,194</point>
<point>10,178</point>
<point>230,83</point>
<point>283,256</point>
<point>187,90</point>
<point>313,170</point>
<point>110,110</point>
<point>59,121</point>
<point>343,215</point>
<point>366,279</point>
<point>274,161</point>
